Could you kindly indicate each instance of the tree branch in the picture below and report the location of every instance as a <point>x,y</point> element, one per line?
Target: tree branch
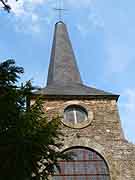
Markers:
<point>5,6</point>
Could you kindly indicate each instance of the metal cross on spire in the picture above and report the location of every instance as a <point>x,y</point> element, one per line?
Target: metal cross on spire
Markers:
<point>60,9</point>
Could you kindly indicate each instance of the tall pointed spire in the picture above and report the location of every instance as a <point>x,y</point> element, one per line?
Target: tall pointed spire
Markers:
<point>63,75</point>
<point>63,67</point>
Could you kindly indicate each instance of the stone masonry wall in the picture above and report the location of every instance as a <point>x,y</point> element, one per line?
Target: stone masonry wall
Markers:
<point>104,134</point>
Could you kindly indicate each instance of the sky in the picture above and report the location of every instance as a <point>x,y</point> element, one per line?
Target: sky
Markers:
<point>102,35</point>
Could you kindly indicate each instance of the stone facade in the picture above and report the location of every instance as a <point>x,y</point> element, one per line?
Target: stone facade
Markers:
<point>103,134</point>
<point>102,131</point>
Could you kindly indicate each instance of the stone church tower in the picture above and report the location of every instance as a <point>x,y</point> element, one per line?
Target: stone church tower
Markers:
<point>91,123</point>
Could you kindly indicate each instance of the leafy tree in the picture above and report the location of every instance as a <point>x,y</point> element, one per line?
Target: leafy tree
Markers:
<point>29,148</point>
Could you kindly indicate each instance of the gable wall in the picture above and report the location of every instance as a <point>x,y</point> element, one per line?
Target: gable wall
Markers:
<point>104,134</point>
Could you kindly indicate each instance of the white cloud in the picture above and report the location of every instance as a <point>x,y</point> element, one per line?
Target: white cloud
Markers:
<point>24,6</point>
<point>17,7</point>
<point>33,13</point>
<point>26,17</point>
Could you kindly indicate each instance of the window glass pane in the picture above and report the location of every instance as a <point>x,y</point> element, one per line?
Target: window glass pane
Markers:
<point>94,178</point>
<point>57,178</point>
<point>69,178</point>
<point>91,168</point>
<point>81,178</point>
<point>90,155</point>
<point>69,168</point>
<point>79,168</point>
<point>102,167</point>
<point>81,115</point>
<point>69,116</point>
<point>79,154</point>
<point>75,114</point>
<point>85,165</point>
<point>104,178</point>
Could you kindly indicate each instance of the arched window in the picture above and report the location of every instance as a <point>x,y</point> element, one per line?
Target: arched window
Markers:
<point>86,164</point>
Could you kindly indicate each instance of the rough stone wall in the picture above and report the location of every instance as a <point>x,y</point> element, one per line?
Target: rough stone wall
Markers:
<point>104,134</point>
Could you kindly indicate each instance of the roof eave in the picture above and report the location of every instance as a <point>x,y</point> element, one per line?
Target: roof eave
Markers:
<point>89,97</point>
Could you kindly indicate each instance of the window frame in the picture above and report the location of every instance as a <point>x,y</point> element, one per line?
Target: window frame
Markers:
<point>82,124</point>
<point>74,109</point>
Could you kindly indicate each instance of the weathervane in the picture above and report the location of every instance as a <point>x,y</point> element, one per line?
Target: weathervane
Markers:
<point>60,9</point>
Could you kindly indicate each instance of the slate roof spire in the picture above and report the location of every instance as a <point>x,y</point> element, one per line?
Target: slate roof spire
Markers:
<point>63,74</point>
<point>63,67</point>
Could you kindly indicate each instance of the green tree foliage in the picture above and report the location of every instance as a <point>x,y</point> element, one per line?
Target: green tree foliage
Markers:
<point>28,139</point>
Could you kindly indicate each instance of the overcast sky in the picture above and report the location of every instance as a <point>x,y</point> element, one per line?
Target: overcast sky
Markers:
<point>103,37</point>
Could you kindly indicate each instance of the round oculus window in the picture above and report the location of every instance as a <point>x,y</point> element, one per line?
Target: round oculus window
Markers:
<point>75,116</point>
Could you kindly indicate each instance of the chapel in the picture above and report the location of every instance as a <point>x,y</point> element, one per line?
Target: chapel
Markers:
<point>91,122</point>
